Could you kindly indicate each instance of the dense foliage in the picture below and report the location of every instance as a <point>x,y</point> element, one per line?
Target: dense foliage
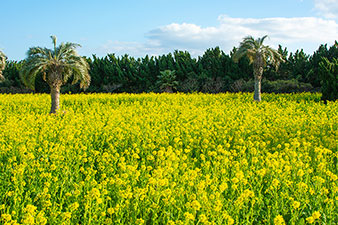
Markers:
<point>329,77</point>
<point>168,159</point>
<point>212,72</point>
<point>167,81</point>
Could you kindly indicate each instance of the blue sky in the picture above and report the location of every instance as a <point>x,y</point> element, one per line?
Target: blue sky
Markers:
<point>140,27</point>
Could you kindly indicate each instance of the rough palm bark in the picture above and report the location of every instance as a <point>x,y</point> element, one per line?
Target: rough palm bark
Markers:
<point>258,74</point>
<point>55,97</point>
<point>55,81</point>
<point>257,93</point>
<point>168,89</point>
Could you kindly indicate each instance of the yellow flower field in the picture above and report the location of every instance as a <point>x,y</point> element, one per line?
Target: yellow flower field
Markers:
<point>168,159</point>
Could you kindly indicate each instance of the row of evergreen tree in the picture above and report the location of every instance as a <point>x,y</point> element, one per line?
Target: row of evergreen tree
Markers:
<point>212,72</point>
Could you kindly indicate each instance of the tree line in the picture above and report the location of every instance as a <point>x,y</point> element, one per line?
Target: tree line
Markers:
<point>213,72</point>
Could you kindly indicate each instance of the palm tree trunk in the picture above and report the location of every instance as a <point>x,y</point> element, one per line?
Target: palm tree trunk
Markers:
<point>258,73</point>
<point>257,94</point>
<point>55,96</point>
<point>168,89</point>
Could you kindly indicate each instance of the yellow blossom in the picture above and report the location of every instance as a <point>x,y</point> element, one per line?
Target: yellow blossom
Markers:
<point>279,220</point>
<point>189,216</point>
<point>184,158</point>
<point>296,204</point>
<point>310,219</point>
<point>316,215</point>
<point>110,210</point>
<point>195,205</point>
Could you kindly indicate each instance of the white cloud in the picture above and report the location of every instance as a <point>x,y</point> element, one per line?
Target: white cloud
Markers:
<point>295,33</point>
<point>327,8</point>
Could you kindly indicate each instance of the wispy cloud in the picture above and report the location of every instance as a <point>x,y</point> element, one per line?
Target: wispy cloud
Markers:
<point>131,48</point>
<point>327,8</point>
<point>294,33</point>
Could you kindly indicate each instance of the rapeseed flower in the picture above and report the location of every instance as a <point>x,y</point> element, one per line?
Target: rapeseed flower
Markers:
<point>316,215</point>
<point>168,159</point>
<point>296,204</point>
<point>310,219</point>
<point>189,216</point>
<point>279,220</point>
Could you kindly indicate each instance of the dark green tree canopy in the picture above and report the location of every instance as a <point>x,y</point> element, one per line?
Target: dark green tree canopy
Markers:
<point>205,73</point>
<point>329,79</point>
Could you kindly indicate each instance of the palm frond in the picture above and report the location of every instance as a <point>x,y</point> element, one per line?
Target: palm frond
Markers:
<point>261,40</point>
<point>54,40</point>
<point>66,49</point>
<point>247,47</point>
<point>250,47</point>
<point>273,57</point>
<point>238,54</point>
<point>62,60</point>
<point>3,59</point>
<point>32,66</point>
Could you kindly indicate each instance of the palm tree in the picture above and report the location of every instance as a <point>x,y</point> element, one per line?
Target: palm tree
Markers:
<point>57,66</point>
<point>167,81</point>
<point>2,64</point>
<point>259,55</point>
